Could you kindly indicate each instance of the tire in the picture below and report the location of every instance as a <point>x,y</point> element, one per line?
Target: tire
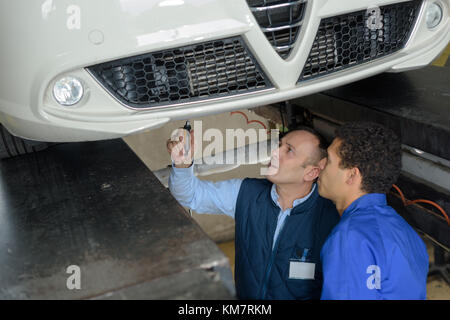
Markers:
<point>12,146</point>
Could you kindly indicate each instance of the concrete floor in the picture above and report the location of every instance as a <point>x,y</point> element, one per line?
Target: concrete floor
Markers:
<point>437,288</point>
<point>151,148</point>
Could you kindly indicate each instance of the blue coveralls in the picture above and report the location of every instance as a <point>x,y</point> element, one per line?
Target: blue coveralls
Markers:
<point>373,254</point>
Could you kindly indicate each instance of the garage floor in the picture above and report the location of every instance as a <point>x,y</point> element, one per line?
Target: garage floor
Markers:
<point>150,147</point>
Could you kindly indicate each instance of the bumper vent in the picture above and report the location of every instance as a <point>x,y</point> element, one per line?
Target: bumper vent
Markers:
<point>187,74</point>
<point>280,21</point>
<point>351,39</point>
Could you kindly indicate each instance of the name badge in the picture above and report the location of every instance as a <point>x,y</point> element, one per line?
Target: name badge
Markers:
<point>301,270</point>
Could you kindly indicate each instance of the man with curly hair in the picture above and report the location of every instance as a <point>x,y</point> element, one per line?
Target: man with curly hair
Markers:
<point>372,253</point>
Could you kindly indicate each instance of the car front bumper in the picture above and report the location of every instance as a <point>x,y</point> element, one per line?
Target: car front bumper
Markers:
<point>60,39</point>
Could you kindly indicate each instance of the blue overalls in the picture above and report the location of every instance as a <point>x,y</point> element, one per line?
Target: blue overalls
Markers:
<point>374,254</point>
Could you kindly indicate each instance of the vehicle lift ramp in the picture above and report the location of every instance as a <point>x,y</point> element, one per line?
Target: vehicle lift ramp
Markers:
<point>416,105</point>
<point>96,207</point>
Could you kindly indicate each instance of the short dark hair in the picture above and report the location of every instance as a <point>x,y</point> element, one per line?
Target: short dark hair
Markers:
<point>322,147</point>
<point>375,150</point>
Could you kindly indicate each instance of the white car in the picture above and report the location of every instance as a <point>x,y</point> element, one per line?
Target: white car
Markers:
<point>78,70</point>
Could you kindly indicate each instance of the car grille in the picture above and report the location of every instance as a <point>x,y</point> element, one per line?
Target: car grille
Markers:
<point>280,21</point>
<point>207,70</point>
<point>346,40</point>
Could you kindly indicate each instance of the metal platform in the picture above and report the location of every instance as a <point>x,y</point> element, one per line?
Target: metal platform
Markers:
<point>416,104</point>
<point>95,205</point>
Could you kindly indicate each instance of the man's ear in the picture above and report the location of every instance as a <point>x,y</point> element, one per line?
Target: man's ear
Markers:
<point>322,163</point>
<point>311,173</point>
<point>353,176</point>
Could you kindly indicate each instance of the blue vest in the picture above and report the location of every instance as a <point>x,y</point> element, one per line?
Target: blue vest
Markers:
<point>263,273</point>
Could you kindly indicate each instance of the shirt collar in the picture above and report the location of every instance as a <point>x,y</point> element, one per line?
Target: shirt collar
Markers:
<point>274,195</point>
<point>367,200</point>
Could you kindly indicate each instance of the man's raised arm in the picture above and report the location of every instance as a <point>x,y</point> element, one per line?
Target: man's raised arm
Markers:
<point>199,195</point>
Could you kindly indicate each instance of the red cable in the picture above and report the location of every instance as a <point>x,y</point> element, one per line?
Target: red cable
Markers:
<point>246,118</point>
<point>407,202</point>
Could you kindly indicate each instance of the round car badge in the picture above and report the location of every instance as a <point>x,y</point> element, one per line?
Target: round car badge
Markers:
<point>96,37</point>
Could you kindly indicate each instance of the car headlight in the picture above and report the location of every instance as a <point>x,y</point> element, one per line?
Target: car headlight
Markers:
<point>433,15</point>
<point>68,91</point>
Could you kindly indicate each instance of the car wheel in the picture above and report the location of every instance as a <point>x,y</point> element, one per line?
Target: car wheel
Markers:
<point>12,146</point>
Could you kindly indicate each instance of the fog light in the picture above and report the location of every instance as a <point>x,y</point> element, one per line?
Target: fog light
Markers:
<point>433,15</point>
<point>68,91</point>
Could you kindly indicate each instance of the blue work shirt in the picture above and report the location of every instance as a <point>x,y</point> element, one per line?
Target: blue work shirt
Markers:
<point>373,253</point>
<point>217,197</point>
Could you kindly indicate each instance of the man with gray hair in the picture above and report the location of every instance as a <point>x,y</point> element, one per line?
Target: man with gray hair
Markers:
<point>281,221</point>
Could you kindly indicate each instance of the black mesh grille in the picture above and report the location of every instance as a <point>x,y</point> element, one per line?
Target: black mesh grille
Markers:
<point>280,21</point>
<point>345,41</point>
<point>192,73</point>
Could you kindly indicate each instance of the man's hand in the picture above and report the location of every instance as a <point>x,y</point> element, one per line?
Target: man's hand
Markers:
<point>176,151</point>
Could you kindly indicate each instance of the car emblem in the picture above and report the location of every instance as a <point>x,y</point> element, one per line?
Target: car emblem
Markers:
<point>374,18</point>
